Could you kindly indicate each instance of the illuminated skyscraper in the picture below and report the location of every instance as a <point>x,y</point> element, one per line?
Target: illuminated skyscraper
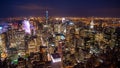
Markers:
<point>46,17</point>
<point>92,24</point>
<point>26,26</point>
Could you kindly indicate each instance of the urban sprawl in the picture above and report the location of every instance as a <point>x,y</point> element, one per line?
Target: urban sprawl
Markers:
<point>59,42</point>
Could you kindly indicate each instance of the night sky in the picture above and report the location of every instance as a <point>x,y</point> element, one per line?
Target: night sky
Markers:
<point>77,8</point>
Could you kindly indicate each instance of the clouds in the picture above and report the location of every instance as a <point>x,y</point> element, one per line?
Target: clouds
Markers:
<point>32,7</point>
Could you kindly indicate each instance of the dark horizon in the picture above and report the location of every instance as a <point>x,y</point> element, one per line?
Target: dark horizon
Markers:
<point>62,8</point>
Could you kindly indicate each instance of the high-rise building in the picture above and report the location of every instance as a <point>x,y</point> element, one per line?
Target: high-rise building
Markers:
<point>46,17</point>
<point>16,41</point>
<point>2,43</point>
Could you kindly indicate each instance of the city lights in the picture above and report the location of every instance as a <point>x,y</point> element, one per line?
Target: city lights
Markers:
<point>60,34</point>
<point>60,43</point>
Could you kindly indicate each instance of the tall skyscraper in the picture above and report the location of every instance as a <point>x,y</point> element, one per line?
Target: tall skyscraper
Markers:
<point>46,17</point>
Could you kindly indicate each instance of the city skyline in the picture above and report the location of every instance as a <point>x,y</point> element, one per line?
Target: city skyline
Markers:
<point>73,8</point>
